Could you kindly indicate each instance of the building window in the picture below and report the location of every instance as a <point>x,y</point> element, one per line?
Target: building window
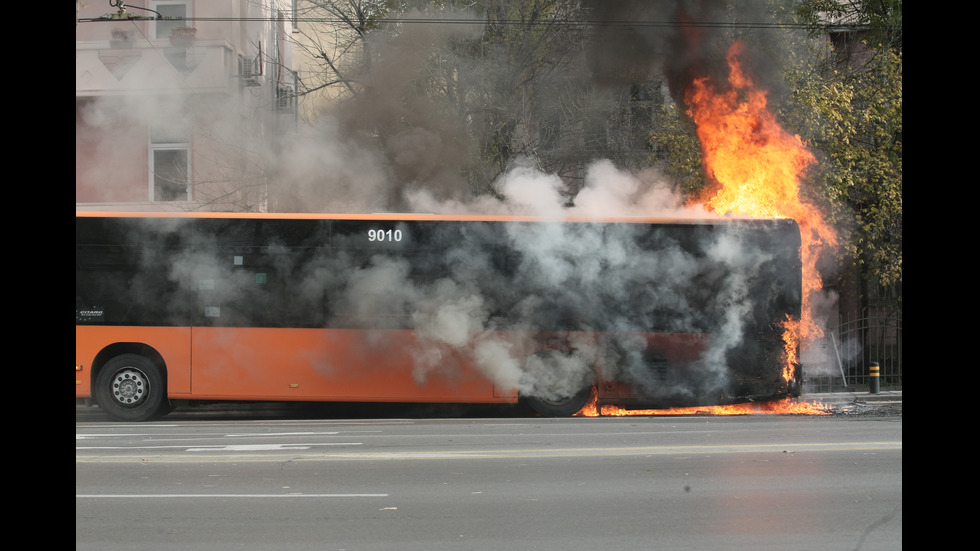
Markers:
<point>170,159</point>
<point>285,99</point>
<point>175,14</point>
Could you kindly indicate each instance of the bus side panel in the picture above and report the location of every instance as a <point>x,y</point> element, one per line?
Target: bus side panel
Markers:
<point>329,364</point>
<point>172,343</point>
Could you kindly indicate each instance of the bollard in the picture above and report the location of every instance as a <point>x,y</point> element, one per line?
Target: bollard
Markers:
<point>874,378</point>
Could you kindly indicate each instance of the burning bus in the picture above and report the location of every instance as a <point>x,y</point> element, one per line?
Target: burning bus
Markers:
<point>554,313</point>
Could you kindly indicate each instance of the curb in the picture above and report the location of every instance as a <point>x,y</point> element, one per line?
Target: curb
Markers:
<point>891,396</point>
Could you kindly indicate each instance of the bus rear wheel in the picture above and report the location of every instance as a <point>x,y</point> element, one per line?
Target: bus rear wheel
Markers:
<point>565,406</point>
<point>130,387</point>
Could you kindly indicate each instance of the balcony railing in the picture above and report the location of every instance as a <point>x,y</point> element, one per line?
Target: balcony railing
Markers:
<point>134,66</point>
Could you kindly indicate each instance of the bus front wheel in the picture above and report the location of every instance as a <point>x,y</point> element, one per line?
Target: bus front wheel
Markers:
<point>130,387</point>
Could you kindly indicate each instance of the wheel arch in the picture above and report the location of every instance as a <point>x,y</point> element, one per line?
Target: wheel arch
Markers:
<point>118,349</point>
<point>543,402</point>
<point>564,407</point>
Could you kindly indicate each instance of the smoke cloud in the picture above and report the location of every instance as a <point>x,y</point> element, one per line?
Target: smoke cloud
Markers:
<point>682,40</point>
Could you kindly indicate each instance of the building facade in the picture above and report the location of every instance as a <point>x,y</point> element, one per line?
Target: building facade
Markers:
<point>180,104</point>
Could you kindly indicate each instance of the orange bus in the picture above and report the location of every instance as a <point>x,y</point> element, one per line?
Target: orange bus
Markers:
<point>175,307</point>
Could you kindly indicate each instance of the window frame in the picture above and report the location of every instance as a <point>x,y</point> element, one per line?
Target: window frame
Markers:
<point>164,27</point>
<point>154,147</point>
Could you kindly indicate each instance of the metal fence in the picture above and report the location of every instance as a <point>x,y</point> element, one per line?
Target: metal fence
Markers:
<point>841,360</point>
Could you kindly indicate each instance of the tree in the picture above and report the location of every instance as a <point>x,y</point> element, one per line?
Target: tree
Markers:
<point>677,149</point>
<point>519,94</point>
<point>333,37</point>
<point>449,94</point>
<point>847,104</point>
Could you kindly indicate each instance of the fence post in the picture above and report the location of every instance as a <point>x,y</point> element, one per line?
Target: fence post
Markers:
<point>875,384</point>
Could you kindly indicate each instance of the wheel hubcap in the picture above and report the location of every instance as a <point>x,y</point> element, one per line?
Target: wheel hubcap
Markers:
<point>129,387</point>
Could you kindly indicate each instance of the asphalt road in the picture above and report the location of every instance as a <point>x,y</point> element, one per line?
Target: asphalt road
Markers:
<point>222,482</point>
<point>886,403</point>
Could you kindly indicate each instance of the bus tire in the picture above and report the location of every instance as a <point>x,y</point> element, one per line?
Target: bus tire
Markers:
<point>131,387</point>
<point>561,407</point>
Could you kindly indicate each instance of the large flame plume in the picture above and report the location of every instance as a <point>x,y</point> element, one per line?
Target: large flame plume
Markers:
<point>754,168</point>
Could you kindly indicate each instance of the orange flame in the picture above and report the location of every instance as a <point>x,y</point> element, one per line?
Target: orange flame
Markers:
<point>776,407</point>
<point>754,168</point>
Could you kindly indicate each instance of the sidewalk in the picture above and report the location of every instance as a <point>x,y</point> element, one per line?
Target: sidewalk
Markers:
<point>856,395</point>
<point>857,400</point>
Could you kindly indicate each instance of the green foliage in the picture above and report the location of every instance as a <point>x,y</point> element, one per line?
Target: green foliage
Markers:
<point>678,150</point>
<point>847,105</point>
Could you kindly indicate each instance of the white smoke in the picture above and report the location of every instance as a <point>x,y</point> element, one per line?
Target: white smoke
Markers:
<point>607,192</point>
<point>610,191</point>
<point>600,277</point>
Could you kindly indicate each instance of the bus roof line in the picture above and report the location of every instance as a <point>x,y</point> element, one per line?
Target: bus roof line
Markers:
<point>411,217</point>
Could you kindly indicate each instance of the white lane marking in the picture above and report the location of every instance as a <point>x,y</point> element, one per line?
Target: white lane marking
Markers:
<point>268,447</point>
<point>263,435</point>
<point>140,496</point>
<point>243,447</point>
